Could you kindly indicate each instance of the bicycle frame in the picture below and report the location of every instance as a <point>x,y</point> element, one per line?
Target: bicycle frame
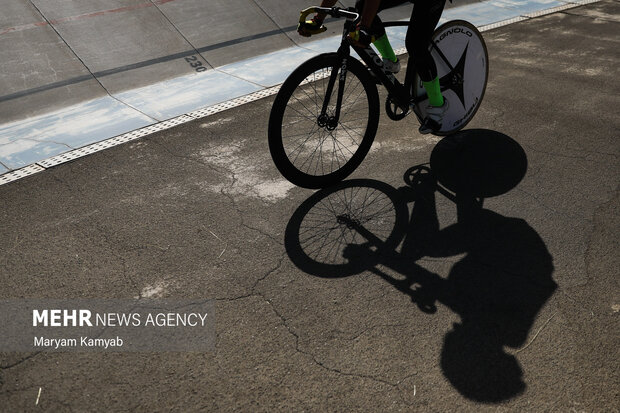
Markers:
<point>397,90</point>
<point>399,93</point>
<point>445,82</point>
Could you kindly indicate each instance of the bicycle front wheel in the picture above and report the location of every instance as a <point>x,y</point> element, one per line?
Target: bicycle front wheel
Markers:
<point>313,148</point>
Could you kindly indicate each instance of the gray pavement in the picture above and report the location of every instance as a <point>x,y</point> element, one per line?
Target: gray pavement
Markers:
<point>510,307</point>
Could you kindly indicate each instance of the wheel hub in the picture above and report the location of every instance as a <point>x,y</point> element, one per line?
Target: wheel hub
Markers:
<point>348,221</point>
<point>328,122</point>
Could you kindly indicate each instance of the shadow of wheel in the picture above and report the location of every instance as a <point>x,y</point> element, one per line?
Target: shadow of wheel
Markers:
<point>325,224</point>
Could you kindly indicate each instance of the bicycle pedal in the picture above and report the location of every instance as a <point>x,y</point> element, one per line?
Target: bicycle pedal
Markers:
<point>429,126</point>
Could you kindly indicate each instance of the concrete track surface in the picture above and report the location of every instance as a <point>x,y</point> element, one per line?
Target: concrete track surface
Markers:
<point>510,303</point>
<point>75,75</point>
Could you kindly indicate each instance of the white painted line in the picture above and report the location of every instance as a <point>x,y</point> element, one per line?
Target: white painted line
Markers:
<point>492,26</point>
<point>26,142</point>
<point>118,140</point>
<point>220,107</point>
<point>20,173</point>
<point>552,10</point>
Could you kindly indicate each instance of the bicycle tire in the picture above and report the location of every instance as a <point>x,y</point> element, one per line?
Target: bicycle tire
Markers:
<point>317,236</point>
<point>294,131</point>
<point>465,49</point>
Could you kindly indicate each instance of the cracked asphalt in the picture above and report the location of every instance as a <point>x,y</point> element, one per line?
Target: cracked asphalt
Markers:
<point>511,304</point>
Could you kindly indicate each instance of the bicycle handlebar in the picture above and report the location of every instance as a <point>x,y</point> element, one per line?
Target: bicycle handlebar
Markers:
<point>332,11</point>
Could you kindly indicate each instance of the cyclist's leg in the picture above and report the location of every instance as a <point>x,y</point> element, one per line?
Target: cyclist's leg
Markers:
<point>424,19</point>
<point>382,43</point>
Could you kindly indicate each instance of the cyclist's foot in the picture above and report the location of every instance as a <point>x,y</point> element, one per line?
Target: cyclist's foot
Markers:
<point>390,66</point>
<point>434,116</point>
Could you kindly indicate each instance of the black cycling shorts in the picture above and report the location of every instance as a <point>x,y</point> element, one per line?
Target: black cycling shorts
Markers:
<point>424,19</point>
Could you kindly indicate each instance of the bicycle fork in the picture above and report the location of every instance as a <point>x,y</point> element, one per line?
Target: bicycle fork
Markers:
<point>339,71</point>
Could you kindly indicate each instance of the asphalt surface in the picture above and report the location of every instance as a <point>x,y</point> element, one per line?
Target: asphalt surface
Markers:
<point>510,304</point>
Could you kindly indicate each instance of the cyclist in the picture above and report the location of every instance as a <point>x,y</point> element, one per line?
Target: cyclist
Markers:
<point>424,19</point>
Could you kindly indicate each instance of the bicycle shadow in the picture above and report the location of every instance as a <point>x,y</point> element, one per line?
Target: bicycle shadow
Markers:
<point>497,288</point>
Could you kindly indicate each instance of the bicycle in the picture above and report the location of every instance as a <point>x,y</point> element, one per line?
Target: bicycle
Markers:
<point>339,122</point>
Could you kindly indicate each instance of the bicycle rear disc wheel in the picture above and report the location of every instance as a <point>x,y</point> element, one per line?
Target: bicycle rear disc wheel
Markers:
<point>463,85</point>
<point>305,150</point>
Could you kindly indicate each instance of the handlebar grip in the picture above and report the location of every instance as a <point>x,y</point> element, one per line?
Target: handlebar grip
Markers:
<point>333,11</point>
<point>304,13</point>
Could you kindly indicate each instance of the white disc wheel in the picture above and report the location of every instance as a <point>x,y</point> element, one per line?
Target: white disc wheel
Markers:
<point>462,70</point>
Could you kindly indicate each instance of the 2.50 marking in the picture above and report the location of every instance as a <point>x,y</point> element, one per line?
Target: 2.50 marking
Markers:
<point>195,63</point>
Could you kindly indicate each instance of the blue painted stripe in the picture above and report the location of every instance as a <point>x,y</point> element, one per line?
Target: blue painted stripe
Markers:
<point>166,100</point>
<point>26,142</point>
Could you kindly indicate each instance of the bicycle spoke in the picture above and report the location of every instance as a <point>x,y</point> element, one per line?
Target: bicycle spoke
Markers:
<point>311,113</point>
<point>313,153</point>
<point>304,144</point>
<point>316,97</point>
<point>347,132</point>
<point>339,145</point>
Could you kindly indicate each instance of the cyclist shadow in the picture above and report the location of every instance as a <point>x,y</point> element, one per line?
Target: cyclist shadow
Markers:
<point>497,288</point>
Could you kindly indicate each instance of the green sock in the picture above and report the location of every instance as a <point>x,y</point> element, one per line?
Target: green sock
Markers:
<point>433,90</point>
<point>385,48</point>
